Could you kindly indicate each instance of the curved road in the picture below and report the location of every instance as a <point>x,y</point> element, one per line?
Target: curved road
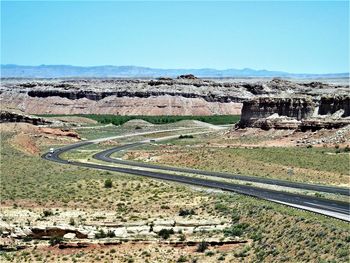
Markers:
<point>106,156</point>
<point>332,208</point>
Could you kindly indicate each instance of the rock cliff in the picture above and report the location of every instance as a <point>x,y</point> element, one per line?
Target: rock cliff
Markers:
<point>185,95</point>
<point>332,104</point>
<point>6,116</point>
<point>303,113</point>
<point>263,107</point>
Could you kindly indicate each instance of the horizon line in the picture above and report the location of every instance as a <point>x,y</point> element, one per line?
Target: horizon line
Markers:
<point>159,68</point>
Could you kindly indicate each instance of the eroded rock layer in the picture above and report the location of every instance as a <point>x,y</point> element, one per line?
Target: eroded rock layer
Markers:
<point>186,95</point>
<point>332,104</point>
<point>263,107</point>
<point>304,113</point>
<point>6,116</point>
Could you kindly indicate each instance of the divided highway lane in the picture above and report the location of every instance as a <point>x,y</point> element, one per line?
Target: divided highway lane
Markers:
<point>332,208</point>
<point>106,156</point>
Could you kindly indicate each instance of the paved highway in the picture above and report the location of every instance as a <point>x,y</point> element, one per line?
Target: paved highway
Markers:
<point>106,156</point>
<point>337,209</point>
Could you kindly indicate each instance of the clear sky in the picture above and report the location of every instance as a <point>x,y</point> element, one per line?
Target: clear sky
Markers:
<point>297,37</point>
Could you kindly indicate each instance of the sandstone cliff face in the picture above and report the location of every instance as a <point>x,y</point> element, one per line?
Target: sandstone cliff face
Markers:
<point>186,95</point>
<point>303,113</point>
<point>160,105</point>
<point>332,104</point>
<point>263,107</point>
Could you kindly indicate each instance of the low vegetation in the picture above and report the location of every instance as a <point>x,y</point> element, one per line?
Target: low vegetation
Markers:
<point>119,120</point>
<point>312,165</point>
<point>44,191</point>
<point>186,136</point>
<point>165,233</point>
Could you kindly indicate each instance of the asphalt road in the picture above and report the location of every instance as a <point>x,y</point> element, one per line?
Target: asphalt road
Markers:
<point>106,156</point>
<point>337,209</point>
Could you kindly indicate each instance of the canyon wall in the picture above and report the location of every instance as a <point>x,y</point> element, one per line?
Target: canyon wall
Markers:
<point>263,107</point>
<point>185,95</point>
<point>160,105</point>
<point>304,113</point>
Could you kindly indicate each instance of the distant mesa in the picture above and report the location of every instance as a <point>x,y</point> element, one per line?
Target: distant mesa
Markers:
<point>187,76</point>
<point>165,78</point>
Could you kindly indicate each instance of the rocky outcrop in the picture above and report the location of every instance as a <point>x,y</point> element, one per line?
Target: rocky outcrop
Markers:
<point>116,230</point>
<point>302,113</point>
<point>188,76</point>
<point>315,124</point>
<point>59,132</point>
<point>255,111</point>
<point>332,104</point>
<point>277,122</point>
<point>6,116</point>
<point>55,231</point>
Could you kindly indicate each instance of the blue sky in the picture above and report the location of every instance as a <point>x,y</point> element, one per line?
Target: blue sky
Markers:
<point>298,37</point>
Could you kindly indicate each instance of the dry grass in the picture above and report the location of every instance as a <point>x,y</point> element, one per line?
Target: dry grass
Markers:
<point>275,233</point>
<point>313,165</point>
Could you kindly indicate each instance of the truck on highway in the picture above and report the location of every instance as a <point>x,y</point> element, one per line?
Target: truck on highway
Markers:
<point>51,150</point>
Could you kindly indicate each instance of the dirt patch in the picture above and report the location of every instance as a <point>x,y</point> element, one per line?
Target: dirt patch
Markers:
<point>137,123</point>
<point>18,127</point>
<point>59,132</point>
<point>25,143</point>
<point>285,138</point>
<point>29,138</point>
<point>109,143</point>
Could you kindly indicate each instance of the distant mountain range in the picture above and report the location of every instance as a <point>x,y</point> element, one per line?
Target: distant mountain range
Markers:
<point>66,71</point>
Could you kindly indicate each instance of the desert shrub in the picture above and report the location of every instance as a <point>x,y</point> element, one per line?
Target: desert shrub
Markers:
<point>55,240</point>
<point>186,136</point>
<point>221,258</point>
<point>47,213</point>
<point>343,252</point>
<point>256,235</point>
<point>243,252</point>
<point>182,258</point>
<point>108,183</point>
<point>209,253</point>
<point>235,216</point>
<point>165,233</point>
<point>101,234</point>
<point>220,207</point>
<point>110,233</point>
<point>71,221</point>
<point>186,212</point>
<point>202,246</point>
<point>27,239</point>
<point>236,230</point>
<point>182,237</point>
<point>319,195</point>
